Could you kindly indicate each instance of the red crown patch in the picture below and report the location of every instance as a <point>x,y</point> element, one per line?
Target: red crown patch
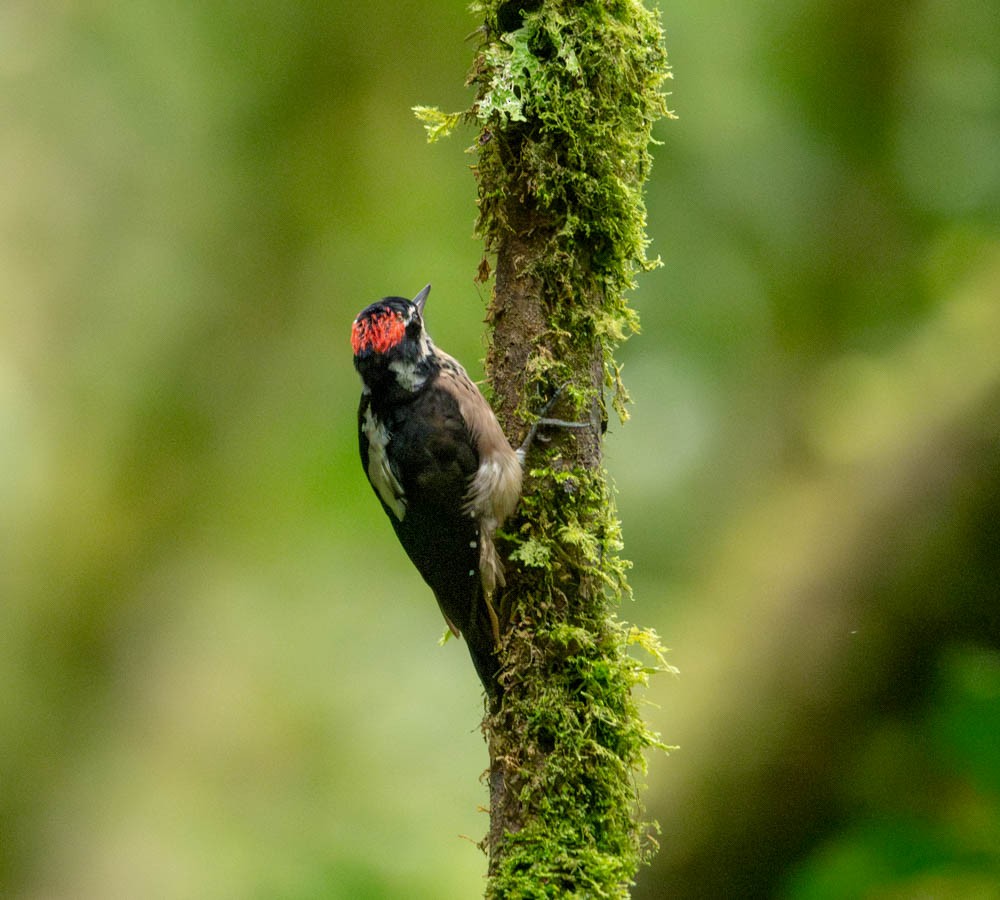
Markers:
<point>379,332</point>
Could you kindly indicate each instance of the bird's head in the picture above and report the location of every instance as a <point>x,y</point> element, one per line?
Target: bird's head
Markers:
<point>390,343</point>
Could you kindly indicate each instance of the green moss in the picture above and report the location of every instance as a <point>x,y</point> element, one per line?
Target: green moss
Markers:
<point>565,105</point>
<point>566,95</point>
<point>573,724</point>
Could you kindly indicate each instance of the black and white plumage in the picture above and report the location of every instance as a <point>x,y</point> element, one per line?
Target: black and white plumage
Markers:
<point>440,465</point>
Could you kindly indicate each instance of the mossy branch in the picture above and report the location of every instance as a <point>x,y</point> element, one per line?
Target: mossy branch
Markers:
<point>566,95</point>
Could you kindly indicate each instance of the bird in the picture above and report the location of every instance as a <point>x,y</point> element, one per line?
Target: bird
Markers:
<point>440,465</point>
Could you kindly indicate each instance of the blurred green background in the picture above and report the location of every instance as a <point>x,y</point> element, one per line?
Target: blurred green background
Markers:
<point>218,673</point>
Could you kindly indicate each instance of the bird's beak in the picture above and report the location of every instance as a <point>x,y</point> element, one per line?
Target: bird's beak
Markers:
<point>421,299</point>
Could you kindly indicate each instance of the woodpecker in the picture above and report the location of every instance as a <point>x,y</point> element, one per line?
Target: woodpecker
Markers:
<point>443,470</point>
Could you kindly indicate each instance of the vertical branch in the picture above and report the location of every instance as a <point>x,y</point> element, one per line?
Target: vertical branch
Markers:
<point>567,92</point>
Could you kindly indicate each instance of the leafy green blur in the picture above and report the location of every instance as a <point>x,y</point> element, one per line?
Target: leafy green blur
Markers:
<point>219,675</point>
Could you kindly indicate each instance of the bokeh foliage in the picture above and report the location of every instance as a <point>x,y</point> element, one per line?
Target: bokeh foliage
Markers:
<point>218,672</point>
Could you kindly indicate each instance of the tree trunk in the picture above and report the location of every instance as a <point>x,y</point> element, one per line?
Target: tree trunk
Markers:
<point>566,96</point>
